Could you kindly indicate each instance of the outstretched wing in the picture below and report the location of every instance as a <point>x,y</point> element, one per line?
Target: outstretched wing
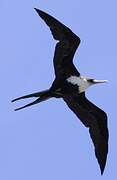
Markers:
<point>65,48</point>
<point>94,118</point>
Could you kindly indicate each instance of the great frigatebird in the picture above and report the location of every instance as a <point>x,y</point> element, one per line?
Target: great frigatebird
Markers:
<point>71,86</point>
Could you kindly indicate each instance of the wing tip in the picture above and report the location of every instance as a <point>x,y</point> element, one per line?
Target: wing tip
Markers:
<point>40,12</point>
<point>37,10</point>
<point>102,170</point>
<point>102,166</point>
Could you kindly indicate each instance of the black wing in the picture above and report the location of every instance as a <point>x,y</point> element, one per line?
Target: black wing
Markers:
<point>65,48</point>
<point>94,118</point>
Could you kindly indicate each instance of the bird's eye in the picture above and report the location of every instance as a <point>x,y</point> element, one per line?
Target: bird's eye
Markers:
<point>90,80</point>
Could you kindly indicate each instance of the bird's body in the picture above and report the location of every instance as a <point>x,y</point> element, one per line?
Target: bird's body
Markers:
<point>71,86</point>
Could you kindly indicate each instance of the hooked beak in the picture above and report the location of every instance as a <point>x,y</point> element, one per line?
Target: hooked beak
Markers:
<point>100,81</point>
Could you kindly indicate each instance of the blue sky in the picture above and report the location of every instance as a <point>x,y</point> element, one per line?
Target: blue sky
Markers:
<point>47,141</point>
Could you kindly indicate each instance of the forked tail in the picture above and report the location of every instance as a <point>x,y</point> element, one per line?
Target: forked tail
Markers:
<point>42,96</point>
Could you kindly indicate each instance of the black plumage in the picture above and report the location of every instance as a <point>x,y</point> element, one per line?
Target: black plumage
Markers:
<point>70,86</point>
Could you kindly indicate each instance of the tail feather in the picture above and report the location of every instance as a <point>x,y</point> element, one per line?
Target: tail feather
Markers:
<point>32,103</point>
<point>42,96</point>
<point>37,94</point>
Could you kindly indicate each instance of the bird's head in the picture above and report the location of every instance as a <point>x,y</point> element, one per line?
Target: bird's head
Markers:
<point>85,82</point>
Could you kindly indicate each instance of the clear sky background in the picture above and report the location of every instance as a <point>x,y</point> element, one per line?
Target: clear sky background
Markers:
<point>47,141</point>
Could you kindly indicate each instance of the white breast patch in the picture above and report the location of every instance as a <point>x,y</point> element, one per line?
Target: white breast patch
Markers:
<point>81,82</point>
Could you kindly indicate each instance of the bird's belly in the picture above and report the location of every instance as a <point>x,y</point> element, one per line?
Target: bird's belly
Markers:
<point>80,82</point>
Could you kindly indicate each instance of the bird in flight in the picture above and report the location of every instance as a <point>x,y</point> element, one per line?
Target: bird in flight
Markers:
<point>70,85</point>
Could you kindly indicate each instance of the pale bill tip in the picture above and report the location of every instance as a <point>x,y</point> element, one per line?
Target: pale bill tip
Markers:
<point>101,81</point>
